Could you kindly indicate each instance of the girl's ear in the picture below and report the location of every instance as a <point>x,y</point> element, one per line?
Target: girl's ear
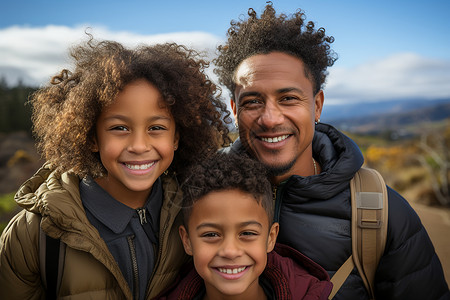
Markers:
<point>185,240</point>
<point>176,140</point>
<point>272,239</point>
<point>94,144</point>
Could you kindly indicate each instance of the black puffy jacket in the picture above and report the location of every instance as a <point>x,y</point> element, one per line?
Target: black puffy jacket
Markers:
<point>314,214</point>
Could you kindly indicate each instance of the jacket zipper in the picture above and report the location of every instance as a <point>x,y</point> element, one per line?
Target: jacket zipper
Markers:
<point>141,214</point>
<point>277,194</point>
<point>130,239</point>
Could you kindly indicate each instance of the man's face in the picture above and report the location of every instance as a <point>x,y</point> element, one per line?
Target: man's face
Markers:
<point>276,110</point>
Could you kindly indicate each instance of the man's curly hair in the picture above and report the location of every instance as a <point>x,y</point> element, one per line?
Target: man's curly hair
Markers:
<point>270,33</point>
<point>227,171</point>
<point>65,112</point>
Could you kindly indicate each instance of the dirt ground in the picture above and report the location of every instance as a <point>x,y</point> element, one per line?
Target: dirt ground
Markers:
<point>437,223</point>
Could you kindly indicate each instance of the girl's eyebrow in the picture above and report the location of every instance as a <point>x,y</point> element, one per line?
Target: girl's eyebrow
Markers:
<point>126,118</point>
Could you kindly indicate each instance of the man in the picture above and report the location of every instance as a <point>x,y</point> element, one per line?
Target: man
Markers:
<point>275,67</point>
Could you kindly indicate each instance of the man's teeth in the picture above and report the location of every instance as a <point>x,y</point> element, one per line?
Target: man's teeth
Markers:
<point>275,139</point>
<point>139,167</point>
<point>231,271</point>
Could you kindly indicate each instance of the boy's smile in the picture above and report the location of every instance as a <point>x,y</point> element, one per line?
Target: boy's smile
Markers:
<point>229,237</point>
<point>136,138</point>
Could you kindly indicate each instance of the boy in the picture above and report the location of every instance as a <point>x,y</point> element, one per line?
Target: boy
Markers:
<point>228,229</point>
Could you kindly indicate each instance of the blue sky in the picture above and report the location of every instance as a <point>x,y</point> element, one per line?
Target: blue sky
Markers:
<point>387,49</point>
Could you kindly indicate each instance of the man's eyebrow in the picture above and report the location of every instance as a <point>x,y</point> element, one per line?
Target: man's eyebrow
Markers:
<point>290,89</point>
<point>247,94</point>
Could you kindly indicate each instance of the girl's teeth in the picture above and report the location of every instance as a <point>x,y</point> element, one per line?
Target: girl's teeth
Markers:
<point>139,167</point>
<point>231,271</point>
<point>275,139</point>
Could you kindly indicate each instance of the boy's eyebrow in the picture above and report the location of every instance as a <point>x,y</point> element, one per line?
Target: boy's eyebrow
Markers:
<point>215,225</point>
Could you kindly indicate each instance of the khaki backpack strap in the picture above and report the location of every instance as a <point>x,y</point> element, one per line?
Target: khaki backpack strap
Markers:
<point>340,276</point>
<point>369,223</point>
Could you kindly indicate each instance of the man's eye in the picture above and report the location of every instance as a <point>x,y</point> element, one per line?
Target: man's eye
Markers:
<point>288,98</point>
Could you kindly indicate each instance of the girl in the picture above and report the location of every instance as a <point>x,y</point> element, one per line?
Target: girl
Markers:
<point>117,133</point>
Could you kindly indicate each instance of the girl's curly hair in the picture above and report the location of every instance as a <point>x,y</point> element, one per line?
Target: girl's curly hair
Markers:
<point>66,111</point>
<point>227,171</point>
<point>269,33</point>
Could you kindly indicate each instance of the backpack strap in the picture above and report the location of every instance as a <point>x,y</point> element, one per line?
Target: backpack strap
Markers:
<point>51,255</point>
<point>369,228</point>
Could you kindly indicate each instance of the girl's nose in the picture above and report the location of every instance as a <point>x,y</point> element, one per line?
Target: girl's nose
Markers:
<point>139,143</point>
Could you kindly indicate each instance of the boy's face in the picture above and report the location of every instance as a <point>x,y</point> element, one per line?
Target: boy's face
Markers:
<point>229,237</point>
<point>136,138</point>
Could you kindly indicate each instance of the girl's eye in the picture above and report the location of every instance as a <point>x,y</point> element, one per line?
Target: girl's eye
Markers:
<point>154,128</point>
<point>119,128</point>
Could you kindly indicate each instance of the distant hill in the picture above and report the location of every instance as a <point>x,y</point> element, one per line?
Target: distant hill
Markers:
<point>381,116</point>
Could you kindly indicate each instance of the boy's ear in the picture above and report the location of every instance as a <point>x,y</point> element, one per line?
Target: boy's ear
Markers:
<point>272,239</point>
<point>185,240</point>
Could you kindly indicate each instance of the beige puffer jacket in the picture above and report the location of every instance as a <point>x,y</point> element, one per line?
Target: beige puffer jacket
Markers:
<point>90,271</point>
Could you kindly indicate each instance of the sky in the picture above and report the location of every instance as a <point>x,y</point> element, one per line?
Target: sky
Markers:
<point>387,49</point>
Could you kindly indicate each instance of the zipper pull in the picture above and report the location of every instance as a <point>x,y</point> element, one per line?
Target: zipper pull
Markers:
<point>141,214</point>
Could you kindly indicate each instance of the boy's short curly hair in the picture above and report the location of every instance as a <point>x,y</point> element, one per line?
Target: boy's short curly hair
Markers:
<point>66,111</point>
<point>270,33</point>
<point>227,171</point>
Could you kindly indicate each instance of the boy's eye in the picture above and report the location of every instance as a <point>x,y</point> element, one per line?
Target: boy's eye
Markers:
<point>210,235</point>
<point>249,233</point>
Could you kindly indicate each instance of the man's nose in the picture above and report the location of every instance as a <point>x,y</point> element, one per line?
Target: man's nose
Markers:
<point>271,116</point>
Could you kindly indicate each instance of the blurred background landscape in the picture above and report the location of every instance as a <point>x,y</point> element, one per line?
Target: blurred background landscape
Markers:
<point>389,90</point>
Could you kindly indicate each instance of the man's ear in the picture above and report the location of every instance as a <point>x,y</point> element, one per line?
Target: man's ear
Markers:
<point>233,108</point>
<point>318,101</point>
<point>272,239</point>
<point>185,240</point>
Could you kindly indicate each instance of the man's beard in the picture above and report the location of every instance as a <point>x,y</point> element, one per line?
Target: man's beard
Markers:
<point>280,169</point>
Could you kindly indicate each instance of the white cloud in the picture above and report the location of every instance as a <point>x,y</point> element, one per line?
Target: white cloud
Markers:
<point>34,54</point>
<point>400,76</point>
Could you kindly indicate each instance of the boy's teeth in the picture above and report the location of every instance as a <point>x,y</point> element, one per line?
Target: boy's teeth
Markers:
<point>275,139</point>
<point>231,271</point>
<point>139,167</point>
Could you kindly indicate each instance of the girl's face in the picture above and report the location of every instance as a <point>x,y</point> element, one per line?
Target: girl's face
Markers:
<point>136,139</point>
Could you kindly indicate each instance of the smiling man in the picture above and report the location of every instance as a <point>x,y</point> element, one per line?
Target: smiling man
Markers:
<point>275,68</point>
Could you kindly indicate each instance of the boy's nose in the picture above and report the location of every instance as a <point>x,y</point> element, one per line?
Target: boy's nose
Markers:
<point>230,249</point>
